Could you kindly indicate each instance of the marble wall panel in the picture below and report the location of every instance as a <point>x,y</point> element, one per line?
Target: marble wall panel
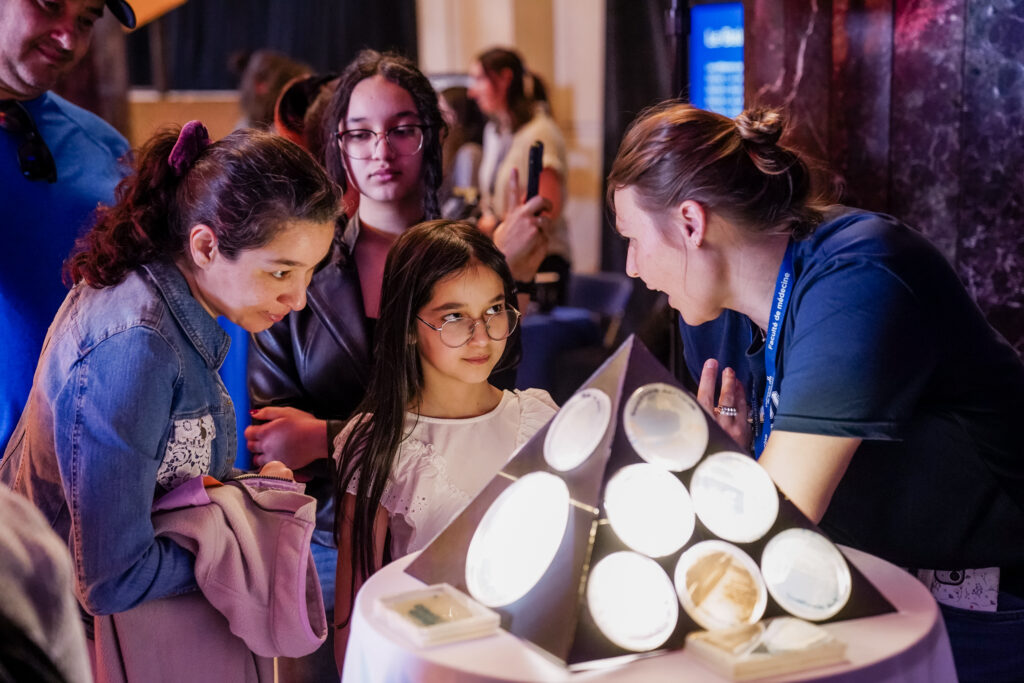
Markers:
<point>990,246</point>
<point>917,107</point>
<point>788,64</point>
<point>928,47</point>
<point>861,101</point>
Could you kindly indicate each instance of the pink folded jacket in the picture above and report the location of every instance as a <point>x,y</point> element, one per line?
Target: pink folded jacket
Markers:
<point>258,581</point>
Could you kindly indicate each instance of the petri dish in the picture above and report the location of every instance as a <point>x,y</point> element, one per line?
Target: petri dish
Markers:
<point>806,574</point>
<point>719,585</point>
<point>734,497</point>
<point>666,426</point>
<point>632,601</point>
<point>649,509</point>
<point>517,539</point>
<point>577,429</point>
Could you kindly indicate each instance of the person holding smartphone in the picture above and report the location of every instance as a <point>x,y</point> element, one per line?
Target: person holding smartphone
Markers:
<point>516,103</point>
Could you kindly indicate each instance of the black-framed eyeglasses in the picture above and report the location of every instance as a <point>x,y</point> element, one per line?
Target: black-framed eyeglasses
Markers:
<point>458,331</point>
<point>404,140</point>
<point>34,158</point>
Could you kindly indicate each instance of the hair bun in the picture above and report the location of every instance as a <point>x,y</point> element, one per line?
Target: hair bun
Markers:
<point>761,126</point>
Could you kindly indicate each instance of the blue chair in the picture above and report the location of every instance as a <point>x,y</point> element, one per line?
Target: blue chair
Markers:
<point>605,295</point>
<point>562,347</point>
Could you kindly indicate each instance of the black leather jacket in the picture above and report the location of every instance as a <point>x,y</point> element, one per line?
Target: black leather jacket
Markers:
<point>318,360</point>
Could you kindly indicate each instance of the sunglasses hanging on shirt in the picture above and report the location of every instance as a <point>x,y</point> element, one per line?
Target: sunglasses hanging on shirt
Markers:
<point>34,156</point>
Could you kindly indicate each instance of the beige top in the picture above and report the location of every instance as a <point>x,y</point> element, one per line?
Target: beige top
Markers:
<point>497,167</point>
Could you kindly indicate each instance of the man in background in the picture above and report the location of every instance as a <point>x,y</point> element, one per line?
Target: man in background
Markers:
<point>57,163</point>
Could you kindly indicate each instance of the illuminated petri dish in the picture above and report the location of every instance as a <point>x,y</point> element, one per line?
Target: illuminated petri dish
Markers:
<point>806,574</point>
<point>665,426</point>
<point>517,539</point>
<point>734,497</point>
<point>577,429</point>
<point>719,585</point>
<point>632,601</point>
<point>649,509</point>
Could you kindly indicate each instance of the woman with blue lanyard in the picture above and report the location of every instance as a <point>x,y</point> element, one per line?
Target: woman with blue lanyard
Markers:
<point>885,406</point>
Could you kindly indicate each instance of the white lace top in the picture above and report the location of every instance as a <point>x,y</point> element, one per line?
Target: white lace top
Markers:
<point>444,463</point>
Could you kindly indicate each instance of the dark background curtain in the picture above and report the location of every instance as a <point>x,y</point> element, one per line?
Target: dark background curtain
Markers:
<point>201,36</point>
<point>639,63</point>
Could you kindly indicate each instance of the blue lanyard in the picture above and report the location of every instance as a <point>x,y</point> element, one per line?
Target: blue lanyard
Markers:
<point>780,301</point>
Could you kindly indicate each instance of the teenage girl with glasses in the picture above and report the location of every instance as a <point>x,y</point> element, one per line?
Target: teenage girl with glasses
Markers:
<point>410,460</point>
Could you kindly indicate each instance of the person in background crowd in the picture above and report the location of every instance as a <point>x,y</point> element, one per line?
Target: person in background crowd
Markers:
<point>263,75</point>
<point>127,403</point>
<point>515,102</point>
<point>463,151</point>
<point>887,408</point>
<point>410,461</point>
<point>41,636</point>
<point>299,116</point>
<point>57,163</point>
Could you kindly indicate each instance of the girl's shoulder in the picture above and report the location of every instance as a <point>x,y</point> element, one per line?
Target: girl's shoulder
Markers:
<point>535,400</point>
<point>342,436</point>
<point>536,407</point>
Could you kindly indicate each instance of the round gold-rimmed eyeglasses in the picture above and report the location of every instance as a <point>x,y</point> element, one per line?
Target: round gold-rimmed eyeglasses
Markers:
<point>458,331</point>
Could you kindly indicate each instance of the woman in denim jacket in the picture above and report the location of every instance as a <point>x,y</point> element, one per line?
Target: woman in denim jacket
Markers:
<point>127,402</point>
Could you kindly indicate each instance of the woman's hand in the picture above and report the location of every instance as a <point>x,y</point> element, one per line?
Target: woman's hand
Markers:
<point>289,435</point>
<point>731,410</point>
<point>522,236</point>
<point>487,223</point>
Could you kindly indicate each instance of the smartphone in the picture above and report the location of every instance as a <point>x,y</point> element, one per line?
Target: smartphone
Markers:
<point>534,167</point>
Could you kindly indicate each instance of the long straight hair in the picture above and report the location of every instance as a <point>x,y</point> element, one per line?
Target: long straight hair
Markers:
<point>419,259</point>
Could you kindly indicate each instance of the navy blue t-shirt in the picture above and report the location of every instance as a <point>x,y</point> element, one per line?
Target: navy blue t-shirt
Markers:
<point>882,342</point>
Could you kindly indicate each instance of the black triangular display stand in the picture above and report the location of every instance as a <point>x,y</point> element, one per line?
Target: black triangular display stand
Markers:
<point>554,614</point>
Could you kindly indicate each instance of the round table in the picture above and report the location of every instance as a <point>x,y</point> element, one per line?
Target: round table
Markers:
<point>907,646</point>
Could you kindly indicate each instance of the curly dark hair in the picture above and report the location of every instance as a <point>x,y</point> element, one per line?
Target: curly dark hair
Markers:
<point>403,73</point>
<point>246,187</point>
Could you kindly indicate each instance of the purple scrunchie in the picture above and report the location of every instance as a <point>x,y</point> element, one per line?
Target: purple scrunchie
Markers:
<point>192,140</point>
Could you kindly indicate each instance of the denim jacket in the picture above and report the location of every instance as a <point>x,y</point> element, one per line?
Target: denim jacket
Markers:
<point>125,404</point>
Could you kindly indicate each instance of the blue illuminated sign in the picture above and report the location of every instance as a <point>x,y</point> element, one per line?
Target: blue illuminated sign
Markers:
<point>716,57</point>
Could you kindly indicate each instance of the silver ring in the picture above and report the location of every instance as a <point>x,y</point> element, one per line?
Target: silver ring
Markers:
<point>728,411</point>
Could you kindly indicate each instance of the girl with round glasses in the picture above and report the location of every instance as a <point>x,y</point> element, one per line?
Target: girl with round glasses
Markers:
<point>410,460</point>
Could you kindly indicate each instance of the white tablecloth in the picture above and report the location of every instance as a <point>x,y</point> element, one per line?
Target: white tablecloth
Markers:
<point>910,645</point>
